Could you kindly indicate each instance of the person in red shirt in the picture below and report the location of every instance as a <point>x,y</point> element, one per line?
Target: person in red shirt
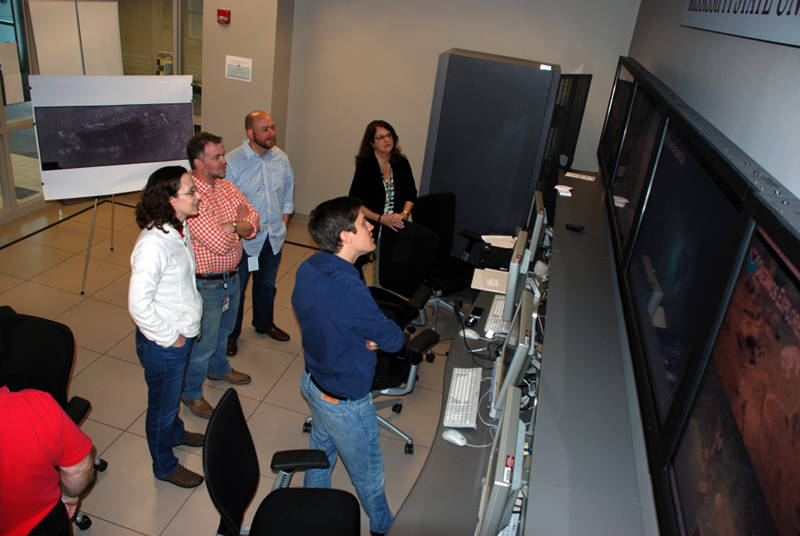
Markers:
<point>46,462</point>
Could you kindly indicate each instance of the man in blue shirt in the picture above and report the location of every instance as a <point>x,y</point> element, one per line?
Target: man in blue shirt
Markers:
<point>342,328</point>
<point>263,174</point>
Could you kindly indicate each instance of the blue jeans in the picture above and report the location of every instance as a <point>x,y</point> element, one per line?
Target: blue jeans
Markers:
<point>208,355</point>
<point>349,428</point>
<point>164,369</point>
<point>263,289</point>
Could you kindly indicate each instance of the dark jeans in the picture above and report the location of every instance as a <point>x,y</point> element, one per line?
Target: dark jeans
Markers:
<point>164,369</point>
<point>263,289</point>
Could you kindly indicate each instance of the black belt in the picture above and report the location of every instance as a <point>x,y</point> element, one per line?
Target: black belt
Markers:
<point>324,391</point>
<point>217,276</point>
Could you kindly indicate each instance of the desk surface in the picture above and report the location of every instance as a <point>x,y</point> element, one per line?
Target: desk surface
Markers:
<point>583,475</point>
<point>445,497</point>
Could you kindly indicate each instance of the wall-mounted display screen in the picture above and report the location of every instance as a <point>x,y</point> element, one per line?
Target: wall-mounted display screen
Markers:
<point>631,178</point>
<point>616,119</point>
<point>736,467</point>
<point>678,267</point>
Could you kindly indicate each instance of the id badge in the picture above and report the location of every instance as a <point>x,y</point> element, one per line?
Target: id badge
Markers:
<point>226,303</point>
<point>252,264</point>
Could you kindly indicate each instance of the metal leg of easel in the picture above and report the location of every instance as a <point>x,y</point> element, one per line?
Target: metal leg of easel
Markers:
<point>89,249</point>
<point>112,222</point>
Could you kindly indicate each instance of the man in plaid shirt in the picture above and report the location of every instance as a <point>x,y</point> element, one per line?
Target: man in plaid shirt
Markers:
<point>263,174</point>
<point>225,218</point>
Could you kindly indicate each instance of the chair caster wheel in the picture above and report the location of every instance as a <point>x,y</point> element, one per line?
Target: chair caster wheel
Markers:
<point>306,427</point>
<point>411,329</point>
<point>100,465</point>
<point>84,522</point>
<point>397,408</point>
<point>429,356</point>
<point>409,449</point>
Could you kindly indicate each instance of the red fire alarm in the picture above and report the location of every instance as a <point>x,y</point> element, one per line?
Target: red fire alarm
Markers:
<point>224,16</point>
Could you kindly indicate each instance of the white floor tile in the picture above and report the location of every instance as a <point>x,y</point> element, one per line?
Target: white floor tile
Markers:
<point>40,300</point>
<point>97,325</point>
<point>115,388</point>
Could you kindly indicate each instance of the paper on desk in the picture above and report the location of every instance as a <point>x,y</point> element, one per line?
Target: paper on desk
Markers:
<point>500,241</point>
<point>564,190</point>
<point>582,176</point>
<point>490,280</point>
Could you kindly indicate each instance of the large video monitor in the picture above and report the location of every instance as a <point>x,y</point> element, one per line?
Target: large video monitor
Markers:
<point>634,170</point>
<point>735,469</point>
<point>616,120</point>
<point>680,263</point>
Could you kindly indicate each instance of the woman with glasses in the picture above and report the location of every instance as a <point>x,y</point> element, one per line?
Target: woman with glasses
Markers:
<point>383,180</point>
<point>167,308</point>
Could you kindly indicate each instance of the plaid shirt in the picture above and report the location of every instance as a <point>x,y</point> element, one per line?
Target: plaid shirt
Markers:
<point>216,250</point>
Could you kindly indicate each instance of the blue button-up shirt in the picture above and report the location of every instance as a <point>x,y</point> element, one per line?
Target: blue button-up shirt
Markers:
<point>268,184</point>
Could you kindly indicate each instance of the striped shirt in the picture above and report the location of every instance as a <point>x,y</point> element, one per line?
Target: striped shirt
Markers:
<point>268,184</point>
<point>216,250</point>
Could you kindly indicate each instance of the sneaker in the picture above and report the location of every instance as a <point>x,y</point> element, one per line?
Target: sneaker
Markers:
<point>183,478</point>
<point>199,407</point>
<point>234,376</point>
<point>193,439</point>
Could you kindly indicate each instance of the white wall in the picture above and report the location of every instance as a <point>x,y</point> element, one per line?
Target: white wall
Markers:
<point>748,89</point>
<point>251,34</point>
<point>358,60</point>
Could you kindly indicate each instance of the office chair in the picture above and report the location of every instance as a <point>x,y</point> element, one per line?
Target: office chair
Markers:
<point>406,257</point>
<point>36,353</point>
<point>450,278</point>
<point>230,466</point>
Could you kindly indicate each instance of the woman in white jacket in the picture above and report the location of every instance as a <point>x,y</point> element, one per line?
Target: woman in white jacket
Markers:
<point>167,308</point>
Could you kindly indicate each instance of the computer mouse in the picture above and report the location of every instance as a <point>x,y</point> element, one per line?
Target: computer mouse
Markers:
<point>455,437</point>
<point>471,334</point>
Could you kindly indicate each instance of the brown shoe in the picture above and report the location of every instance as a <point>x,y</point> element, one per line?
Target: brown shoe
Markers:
<point>199,407</point>
<point>234,376</point>
<point>184,478</point>
<point>193,439</point>
<point>232,348</point>
<point>275,332</point>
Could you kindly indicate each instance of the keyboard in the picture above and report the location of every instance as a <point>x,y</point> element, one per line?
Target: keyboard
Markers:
<point>494,322</point>
<point>461,410</point>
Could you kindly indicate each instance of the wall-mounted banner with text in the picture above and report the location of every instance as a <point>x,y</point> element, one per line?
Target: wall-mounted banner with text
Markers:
<point>777,21</point>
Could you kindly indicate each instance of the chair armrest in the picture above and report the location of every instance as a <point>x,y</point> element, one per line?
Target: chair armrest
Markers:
<point>420,297</point>
<point>292,460</point>
<point>77,408</point>
<point>419,344</point>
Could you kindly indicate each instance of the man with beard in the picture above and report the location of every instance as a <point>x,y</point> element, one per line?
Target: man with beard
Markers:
<point>263,174</point>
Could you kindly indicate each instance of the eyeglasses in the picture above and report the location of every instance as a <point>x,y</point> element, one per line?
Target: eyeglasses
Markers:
<point>192,192</point>
<point>379,138</point>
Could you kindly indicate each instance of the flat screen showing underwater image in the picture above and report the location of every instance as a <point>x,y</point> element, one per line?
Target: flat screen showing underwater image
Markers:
<point>736,467</point>
<point>679,265</point>
<point>638,148</point>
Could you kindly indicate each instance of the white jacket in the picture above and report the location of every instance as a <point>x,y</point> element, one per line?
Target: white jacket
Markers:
<point>162,296</point>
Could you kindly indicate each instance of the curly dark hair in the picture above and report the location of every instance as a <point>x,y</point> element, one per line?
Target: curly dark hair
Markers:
<point>331,218</point>
<point>367,147</point>
<point>196,145</point>
<point>154,210</point>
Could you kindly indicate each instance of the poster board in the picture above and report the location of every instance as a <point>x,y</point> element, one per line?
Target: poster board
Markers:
<point>103,135</point>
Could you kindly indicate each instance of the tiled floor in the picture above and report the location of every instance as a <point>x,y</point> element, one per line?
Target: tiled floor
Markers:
<point>41,275</point>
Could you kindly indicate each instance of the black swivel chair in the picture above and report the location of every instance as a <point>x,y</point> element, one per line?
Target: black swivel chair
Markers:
<point>36,353</point>
<point>406,257</point>
<point>450,278</point>
<point>230,465</point>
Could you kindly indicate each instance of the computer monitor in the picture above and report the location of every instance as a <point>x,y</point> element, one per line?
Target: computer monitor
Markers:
<point>616,121</point>
<point>637,157</point>
<point>512,292</point>
<point>523,352</point>
<point>503,474</point>
<point>735,469</point>
<point>538,228</point>
<point>680,263</point>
